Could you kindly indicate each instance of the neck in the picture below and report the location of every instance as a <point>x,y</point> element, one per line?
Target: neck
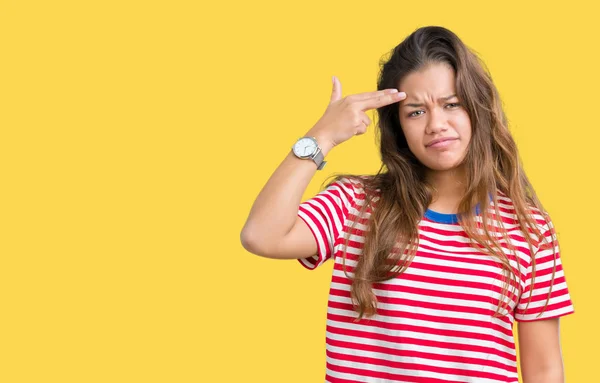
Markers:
<point>449,187</point>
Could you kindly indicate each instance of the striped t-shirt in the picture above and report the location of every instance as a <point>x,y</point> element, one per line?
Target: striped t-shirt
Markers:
<point>435,321</point>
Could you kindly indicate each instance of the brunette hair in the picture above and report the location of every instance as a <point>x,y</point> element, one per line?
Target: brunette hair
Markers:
<point>398,195</point>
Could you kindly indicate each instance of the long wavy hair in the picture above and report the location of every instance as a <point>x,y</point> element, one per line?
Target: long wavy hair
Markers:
<point>398,195</point>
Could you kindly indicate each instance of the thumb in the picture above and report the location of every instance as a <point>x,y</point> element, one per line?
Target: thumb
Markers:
<point>336,92</point>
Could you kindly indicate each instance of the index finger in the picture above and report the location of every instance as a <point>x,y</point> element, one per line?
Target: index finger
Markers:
<point>381,100</point>
<point>367,95</point>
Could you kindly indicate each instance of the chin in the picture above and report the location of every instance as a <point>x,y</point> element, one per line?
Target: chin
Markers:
<point>444,166</point>
<point>445,162</point>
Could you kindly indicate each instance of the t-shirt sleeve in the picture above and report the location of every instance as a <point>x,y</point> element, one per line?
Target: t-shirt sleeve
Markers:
<point>325,214</point>
<point>560,303</point>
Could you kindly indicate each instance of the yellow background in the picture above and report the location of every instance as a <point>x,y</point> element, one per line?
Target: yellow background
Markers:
<point>135,136</point>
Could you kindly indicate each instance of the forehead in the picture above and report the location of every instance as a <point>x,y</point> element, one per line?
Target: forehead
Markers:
<point>431,82</point>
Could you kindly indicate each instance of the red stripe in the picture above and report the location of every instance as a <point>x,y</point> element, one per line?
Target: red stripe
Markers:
<point>320,250</point>
<point>474,334</point>
<point>398,352</point>
<point>421,329</point>
<point>404,366</point>
<point>405,302</point>
<point>398,339</point>
<point>536,310</point>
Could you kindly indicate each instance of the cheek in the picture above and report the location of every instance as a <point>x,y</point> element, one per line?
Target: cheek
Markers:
<point>414,141</point>
<point>464,122</point>
<point>462,125</point>
<point>411,132</point>
<point>467,132</point>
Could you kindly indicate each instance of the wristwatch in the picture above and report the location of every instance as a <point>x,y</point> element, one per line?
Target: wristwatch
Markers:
<point>308,148</point>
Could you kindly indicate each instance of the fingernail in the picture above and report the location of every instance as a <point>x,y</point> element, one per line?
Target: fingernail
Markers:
<point>401,94</point>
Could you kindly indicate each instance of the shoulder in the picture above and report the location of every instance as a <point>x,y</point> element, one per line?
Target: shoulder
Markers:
<point>352,190</point>
<point>353,184</point>
<point>539,217</point>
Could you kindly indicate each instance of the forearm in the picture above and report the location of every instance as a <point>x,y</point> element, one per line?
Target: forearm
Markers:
<point>275,209</point>
<point>545,376</point>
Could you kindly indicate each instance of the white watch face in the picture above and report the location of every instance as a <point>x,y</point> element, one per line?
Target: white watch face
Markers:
<point>305,147</point>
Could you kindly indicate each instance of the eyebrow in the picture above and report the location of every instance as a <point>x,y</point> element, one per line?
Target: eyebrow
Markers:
<point>439,99</point>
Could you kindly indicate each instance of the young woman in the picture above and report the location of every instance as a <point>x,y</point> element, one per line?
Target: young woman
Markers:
<point>437,254</point>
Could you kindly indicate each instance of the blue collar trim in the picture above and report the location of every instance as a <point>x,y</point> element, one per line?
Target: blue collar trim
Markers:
<point>447,218</point>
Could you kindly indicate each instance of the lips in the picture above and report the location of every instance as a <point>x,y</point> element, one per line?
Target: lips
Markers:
<point>440,140</point>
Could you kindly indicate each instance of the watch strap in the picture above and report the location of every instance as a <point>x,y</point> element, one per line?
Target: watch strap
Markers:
<point>319,159</point>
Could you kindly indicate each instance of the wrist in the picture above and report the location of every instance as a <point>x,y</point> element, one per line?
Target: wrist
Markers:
<point>324,143</point>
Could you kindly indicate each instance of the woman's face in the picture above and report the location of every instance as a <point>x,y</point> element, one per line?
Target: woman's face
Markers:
<point>438,117</point>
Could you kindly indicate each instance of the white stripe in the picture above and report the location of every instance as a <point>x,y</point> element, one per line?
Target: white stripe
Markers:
<point>391,370</point>
<point>439,313</point>
<point>399,321</point>
<point>546,314</point>
<point>416,348</point>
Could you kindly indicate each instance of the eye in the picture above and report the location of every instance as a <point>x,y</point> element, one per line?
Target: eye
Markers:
<point>413,113</point>
<point>455,105</point>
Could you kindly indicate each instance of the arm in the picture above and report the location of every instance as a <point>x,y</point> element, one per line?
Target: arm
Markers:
<point>273,228</point>
<point>539,351</point>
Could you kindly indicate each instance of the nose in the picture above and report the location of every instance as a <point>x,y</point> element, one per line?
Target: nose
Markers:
<point>437,121</point>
